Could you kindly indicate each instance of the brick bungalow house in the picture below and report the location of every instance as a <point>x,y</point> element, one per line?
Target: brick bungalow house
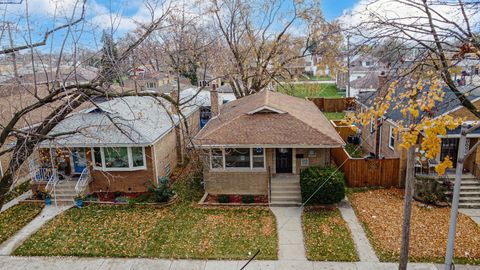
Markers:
<point>389,140</point>
<point>123,144</point>
<point>261,137</point>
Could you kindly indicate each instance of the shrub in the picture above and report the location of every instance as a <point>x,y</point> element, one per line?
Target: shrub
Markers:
<point>332,184</point>
<point>247,199</point>
<point>163,192</point>
<point>223,199</point>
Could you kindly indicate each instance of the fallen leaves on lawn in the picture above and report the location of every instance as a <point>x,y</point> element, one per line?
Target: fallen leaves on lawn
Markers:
<point>382,212</point>
<point>327,236</point>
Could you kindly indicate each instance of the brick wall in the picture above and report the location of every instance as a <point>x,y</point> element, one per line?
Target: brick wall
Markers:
<point>125,181</point>
<point>165,153</point>
<point>322,158</point>
<point>249,183</point>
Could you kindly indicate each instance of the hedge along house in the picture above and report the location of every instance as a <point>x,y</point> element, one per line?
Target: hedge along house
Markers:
<point>124,144</point>
<point>262,137</point>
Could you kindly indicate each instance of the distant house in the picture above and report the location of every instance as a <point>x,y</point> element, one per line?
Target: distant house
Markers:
<point>389,139</point>
<point>267,134</point>
<point>123,144</point>
<point>141,79</point>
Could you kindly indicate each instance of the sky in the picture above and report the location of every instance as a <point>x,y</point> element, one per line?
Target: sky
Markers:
<point>121,15</point>
<point>334,8</point>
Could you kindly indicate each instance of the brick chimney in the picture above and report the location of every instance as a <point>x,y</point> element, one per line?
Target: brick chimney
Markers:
<point>214,108</point>
<point>382,81</point>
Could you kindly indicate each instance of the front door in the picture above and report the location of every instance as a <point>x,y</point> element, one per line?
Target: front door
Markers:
<point>79,160</point>
<point>450,149</point>
<point>284,160</point>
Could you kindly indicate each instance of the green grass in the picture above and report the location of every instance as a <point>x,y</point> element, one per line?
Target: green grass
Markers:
<point>326,90</point>
<point>182,230</point>
<point>334,115</point>
<point>15,218</point>
<point>327,237</point>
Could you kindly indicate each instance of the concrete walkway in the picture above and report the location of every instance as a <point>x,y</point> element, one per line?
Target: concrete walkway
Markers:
<point>49,212</point>
<point>74,263</point>
<point>364,249</point>
<point>290,234</point>
<point>472,213</point>
<point>16,200</point>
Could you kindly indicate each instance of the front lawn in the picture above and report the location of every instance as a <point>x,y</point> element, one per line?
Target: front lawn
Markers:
<point>15,218</point>
<point>327,236</point>
<point>326,90</point>
<point>182,231</point>
<point>381,212</point>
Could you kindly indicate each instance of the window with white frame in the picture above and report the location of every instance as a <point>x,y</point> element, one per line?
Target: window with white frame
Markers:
<point>391,138</point>
<point>119,158</point>
<point>258,160</point>
<point>216,158</point>
<point>237,157</point>
<point>242,158</point>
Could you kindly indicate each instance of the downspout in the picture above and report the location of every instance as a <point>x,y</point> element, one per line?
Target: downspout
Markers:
<point>154,153</point>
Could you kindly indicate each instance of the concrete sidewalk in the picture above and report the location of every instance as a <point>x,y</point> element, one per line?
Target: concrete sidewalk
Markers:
<point>364,249</point>
<point>474,214</point>
<point>16,200</point>
<point>74,263</point>
<point>290,233</point>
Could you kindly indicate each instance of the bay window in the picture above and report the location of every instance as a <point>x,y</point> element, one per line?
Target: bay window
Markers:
<point>237,158</point>
<point>119,158</point>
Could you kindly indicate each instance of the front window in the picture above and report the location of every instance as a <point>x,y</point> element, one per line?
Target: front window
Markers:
<point>217,158</point>
<point>237,157</point>
<point>119,158</point>
<point>258,158</point>
<point>231,158</point>
<point>116,157</point>
<point>138,157</point>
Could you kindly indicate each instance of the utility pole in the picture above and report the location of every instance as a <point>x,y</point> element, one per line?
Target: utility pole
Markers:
<point>461,156</point>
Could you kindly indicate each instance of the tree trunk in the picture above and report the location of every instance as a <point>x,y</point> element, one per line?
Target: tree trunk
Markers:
<point>407,209</point>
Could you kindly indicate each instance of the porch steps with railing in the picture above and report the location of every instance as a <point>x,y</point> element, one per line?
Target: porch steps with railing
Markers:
<point>64,193</point>
<point>469,191</point>
<point>285,190</point>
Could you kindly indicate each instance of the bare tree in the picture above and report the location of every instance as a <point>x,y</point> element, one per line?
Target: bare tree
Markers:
<point>260,40</point>
<point>48,98</point>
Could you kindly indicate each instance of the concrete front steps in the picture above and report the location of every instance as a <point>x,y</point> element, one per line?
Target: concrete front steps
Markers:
<point>286,190</point>
<point>64,192</point>
<point>469,191</point>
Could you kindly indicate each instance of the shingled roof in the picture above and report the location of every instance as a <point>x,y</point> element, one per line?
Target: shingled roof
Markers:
<point>269,119</point>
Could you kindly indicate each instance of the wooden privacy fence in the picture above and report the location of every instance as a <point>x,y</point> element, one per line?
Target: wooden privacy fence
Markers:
<point>343,130</point>
<point>334,104</point>
<point>360,172</point>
